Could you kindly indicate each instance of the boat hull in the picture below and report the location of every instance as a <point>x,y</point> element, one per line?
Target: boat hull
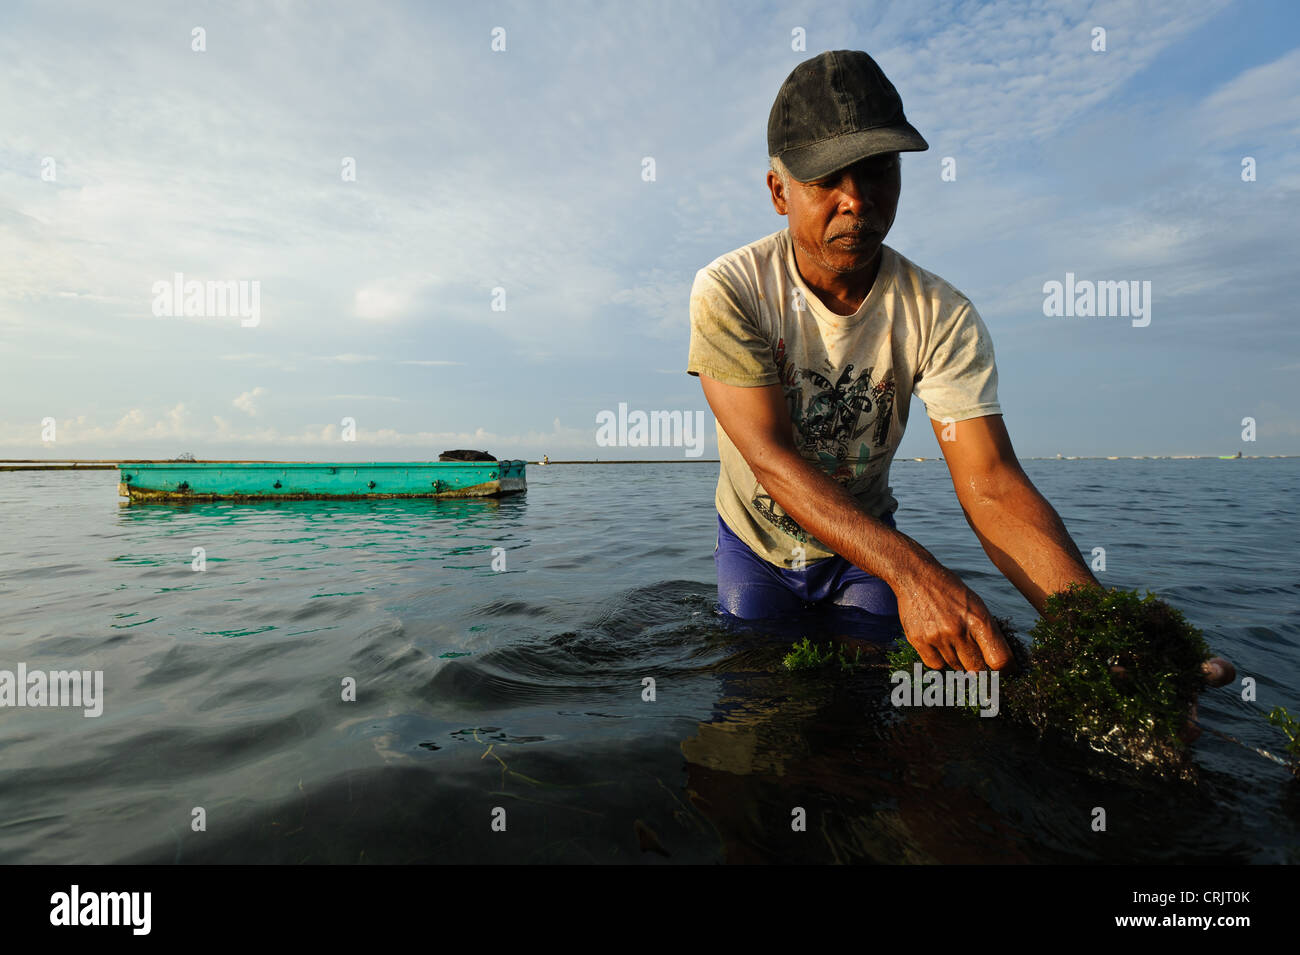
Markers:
<point>191,481</point>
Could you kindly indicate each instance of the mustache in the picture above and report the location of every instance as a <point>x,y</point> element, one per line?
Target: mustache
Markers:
<point>859,231</point>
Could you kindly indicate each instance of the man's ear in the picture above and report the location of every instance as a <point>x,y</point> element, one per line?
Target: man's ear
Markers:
<point>778,193</point>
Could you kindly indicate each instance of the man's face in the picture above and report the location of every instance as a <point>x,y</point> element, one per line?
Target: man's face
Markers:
<point>840,221</point>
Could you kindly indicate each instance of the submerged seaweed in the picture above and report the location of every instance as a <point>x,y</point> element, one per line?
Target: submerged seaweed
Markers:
<point>806,655</point>
<point>1290,727</point>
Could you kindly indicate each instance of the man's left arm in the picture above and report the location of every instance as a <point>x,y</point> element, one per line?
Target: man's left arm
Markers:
<point>1022,534</point>
<point>1020,531</point>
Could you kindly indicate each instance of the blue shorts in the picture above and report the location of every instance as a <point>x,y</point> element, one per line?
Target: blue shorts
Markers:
<point>749,587</point>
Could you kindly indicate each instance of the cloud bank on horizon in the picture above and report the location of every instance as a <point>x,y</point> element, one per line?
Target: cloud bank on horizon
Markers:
<point>226,229</point>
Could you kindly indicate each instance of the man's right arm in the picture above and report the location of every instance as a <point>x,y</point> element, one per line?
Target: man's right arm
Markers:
<point>942,618</point>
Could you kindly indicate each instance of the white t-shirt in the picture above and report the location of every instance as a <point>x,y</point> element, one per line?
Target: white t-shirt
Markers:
<point>848,379</point>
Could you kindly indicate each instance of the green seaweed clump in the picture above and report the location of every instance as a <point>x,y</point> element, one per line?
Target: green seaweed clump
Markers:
<point>1114,671</point>
<point>1109,669</point>
<point>806,655</point>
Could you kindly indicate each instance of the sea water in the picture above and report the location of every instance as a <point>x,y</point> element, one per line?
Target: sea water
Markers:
<point>546,678</point>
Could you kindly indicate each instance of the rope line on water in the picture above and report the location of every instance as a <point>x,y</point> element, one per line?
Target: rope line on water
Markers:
<point>1232,739</point>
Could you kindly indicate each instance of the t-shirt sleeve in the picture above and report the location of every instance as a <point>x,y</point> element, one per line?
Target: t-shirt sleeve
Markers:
<point>726,342</point>
<point>959,378</point>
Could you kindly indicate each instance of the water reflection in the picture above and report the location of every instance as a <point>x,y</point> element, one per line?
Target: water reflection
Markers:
<point>400,510</point>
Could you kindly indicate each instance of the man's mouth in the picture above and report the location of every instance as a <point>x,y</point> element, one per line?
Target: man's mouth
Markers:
<point>861,237</point>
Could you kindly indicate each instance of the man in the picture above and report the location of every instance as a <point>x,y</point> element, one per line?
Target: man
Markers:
<point>809,344</point>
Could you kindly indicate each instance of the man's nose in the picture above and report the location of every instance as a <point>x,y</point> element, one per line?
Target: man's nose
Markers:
<point>855,194</point>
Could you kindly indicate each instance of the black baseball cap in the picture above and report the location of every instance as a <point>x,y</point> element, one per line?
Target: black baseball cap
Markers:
<point>834,110</point>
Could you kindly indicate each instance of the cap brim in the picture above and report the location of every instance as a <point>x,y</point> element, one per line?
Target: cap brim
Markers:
<point>816,160</point>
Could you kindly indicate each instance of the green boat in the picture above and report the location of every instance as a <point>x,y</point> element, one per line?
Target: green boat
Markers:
<point>184,481</point>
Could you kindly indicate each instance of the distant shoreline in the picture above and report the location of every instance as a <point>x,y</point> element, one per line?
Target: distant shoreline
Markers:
<point>109,464</point>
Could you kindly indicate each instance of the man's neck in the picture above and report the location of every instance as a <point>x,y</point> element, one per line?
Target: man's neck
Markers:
<point>842,293</point>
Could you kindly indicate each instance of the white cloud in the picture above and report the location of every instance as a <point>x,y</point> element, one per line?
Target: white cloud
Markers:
<point>995,77</point>
<point>133,434</point>
<point>1257,107</point>
<point>260,360</point>
<point>390,299</point>
<point>247,402</point>
<point>662,297</point>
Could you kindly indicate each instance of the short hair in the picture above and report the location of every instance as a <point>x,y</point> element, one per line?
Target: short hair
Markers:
<point>782,173</point>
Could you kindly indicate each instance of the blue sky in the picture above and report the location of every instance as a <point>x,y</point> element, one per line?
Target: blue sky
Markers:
<point>522,170</point>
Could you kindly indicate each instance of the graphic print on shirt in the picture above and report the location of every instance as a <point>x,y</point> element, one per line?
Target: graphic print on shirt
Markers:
<point>828,418</point>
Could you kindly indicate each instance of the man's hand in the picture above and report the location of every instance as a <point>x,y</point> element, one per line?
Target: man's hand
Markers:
<point>1218,671</point>
<point>948,623</point>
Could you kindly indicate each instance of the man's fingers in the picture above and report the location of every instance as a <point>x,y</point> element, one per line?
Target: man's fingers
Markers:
<point>928,656</point>
<point>1191,732</point>
<point>949,653</point>
<point>1218,671</point>
<point>991,644</point>
<point>968,652</point>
